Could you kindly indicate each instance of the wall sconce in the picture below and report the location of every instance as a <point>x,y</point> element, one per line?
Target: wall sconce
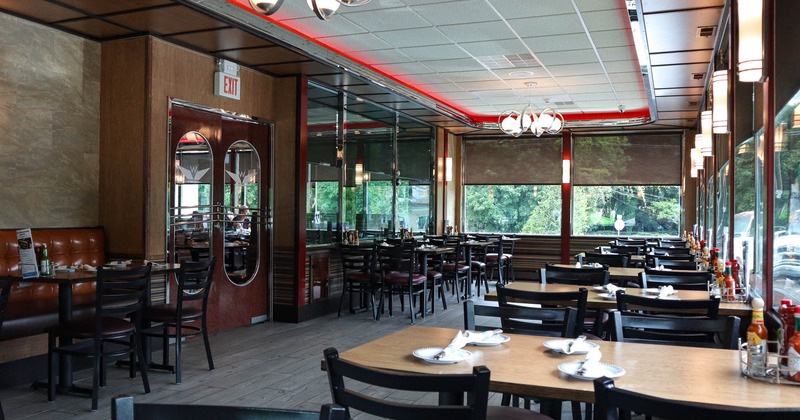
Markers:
<point>448,169</point>
<point>720,108</point>
<point>565,171</point>
<point>359,173</point>
<point>751,47</point>
<point>697,159</point>
<point>702,142</point>
<point>780,133</point>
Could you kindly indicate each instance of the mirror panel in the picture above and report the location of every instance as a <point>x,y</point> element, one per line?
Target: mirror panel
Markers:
<point>191,205</point>
<point>241,209</point>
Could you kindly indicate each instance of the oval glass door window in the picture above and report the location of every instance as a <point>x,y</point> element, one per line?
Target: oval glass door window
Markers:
<point>242,211</point>
<point>191,202</point>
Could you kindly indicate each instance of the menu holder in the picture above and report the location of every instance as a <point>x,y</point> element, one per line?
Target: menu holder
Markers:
<point>27,255</point>
<point>776,372</point>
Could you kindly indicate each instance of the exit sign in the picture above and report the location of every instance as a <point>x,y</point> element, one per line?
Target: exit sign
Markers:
<point>227,85</point>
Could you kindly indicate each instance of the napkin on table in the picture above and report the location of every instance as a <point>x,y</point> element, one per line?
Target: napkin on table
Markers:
<point>478,336</point>
<point>612,289</point>
<point>591,365</point>
<point>458,342</point>
<point>665,291</point>
<point>571,346</point>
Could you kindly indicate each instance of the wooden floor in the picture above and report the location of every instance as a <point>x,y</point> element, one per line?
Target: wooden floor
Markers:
<point>267,365</point>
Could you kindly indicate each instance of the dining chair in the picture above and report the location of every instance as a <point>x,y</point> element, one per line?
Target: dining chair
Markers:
<point>630,242</point>
<point>708,308</point>
<point>695,280</point>
<point>575,276</point>
<point>666,243</point>
<point>180,320</point>
<point>550,322</point>
<point>400,275</point>
<point>650,259</point>
<point>454,272</point>
<point>461,396</point>
<point>359,276</point>
<point>611,260</point>
<point>478,263</point>
<point>495,259</point>
<point>106,335</point>
<point>659,262</point>
<point>124,408</point>
<point>578,300</point>
<point>612,403</point>
<point>5,291</point>
<point>682,250</point>
<point>626,249</point>
<point>720,333</point>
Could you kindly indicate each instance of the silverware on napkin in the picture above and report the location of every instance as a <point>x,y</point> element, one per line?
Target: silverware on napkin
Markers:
<point>572,343</point>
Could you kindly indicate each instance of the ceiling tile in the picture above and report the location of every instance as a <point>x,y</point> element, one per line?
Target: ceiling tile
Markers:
<point>566,42</point>
<point>358,43</point>
<point>612,38</point>
<point>104,7</point>
<point>528,27</point>
<point>678,103</point>
<point>618,53</point>
<point>40,10</point>
<point>401,69</point>
<point>677,31</point>
<point>168,20</point>
<point>607,20</point>
<point>686,57</point>
<point>595,5</point>
<point>584,69</point>
<point>444,67</point>
<point>387,20</point>
<point>651,6</point>
<point>477,32</point>
<point>386,57</point>
<point>567,57</point>
<point>499,47</point>
<point>259,56</point>
<point>621,66</point>
<point>413,37</point>
<point>511,8</point>
<point>678,75</point>
<point>222,39</point>
<point>434,52</point>
<point>680,91</point>
<point>95,28</point>
<point>456,13</point>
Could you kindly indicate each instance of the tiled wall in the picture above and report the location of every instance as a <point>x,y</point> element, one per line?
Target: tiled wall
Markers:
<point>49,126</point>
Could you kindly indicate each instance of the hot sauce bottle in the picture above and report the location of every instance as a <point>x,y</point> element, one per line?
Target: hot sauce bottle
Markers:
<point>786,315</point>
<point>729,284</point>
<point>794,348</point>
<point>757,340</point>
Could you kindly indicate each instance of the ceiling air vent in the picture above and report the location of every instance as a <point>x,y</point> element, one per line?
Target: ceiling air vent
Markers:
<point>706,31</point>
<point>698,76</point>
<point>563,103</point>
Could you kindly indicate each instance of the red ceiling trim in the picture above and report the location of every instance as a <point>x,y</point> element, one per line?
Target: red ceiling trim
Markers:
<point>476,118</point>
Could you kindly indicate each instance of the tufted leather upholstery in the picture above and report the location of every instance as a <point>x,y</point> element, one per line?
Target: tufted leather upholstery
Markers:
<point>34,307</point>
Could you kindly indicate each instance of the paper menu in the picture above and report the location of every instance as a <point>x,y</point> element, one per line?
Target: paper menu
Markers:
<point>27,254</point>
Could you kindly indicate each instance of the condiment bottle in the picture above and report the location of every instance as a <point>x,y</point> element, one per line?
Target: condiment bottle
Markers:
<point>729,284</point>
<point>757,340</point>
<point>786,315</point>
<point>793,365</point>
<point>44,264</point>
<point>719,270</point>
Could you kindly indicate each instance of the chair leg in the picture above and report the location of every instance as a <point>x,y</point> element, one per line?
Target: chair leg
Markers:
<point>96,381</point>
<point>165,344</point>
<point>341,301</point>
<point>51,367</point>
<point>178,334</point>
<point>137,339</point>
<point>444,300</point>
<point>208,345</point>
<point>410,303</point>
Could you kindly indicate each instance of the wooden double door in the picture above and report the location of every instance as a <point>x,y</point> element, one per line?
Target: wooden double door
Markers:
<point>219,207</point>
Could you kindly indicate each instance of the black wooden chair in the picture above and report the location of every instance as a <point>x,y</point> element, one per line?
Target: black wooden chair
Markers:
<point>656,250</point>
<point>496,258</point>
<point>650,259</point>
<point>551,322</point>
<point>630,242</point>
<point>124,408</point>
<point>626,249</point>
<point>575,276</point>
<point>720,333</point>
<point>697,280</point>
<point>454,272</point>
<point>106,335</point>
<point>181,320</point>
<point>708,308</point>
<point>612,403</point>
<point>666,243</point>
<point>399,275</point>
<point>674,264</point>
<point>610,260</point>
<point>360,276</point>
<point>577,300</point>
<point>452,390</point>
<point>5,291</point>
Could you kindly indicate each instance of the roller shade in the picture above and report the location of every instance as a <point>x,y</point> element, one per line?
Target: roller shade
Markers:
<point>512,161</point>
<point>633,159</point>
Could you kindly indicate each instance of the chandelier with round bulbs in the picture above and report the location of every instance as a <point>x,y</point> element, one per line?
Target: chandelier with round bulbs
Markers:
<point>515,123</point>
<point>324,9</point>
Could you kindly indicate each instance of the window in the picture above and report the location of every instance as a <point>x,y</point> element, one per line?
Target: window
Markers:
<point>633,178</point>
<point>512,185</point>
<point>786,235</point>
<point>322,191</point>
<point>744,185</point>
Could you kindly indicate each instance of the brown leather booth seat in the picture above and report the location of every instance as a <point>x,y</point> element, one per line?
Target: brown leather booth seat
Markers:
<point>32,308</point>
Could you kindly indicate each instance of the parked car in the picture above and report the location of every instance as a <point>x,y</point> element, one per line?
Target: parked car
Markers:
<point>786,261</point>
<point>743,233</point>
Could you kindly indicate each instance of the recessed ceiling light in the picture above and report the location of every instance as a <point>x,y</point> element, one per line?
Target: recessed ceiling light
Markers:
<point>531,84</point>
<point>520,73</point>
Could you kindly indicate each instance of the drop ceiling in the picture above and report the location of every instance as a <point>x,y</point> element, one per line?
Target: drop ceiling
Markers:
<point>456,64</point>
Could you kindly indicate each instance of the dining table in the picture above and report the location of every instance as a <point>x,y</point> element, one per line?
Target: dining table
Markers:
<point>65,279</point>
<point>596,299</point>
<point>525,366</point>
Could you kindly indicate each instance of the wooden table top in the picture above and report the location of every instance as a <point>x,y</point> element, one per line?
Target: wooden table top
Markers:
<point>82,275</point>
<point>739,309</point>
<point>524,366</point>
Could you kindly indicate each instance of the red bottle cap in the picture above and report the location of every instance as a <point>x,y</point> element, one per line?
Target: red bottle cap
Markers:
<point>787,302</point>
<point>727,264</point>
<point>796,310</point>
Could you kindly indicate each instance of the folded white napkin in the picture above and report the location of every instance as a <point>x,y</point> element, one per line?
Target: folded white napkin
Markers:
<point>458,342</point>
<point>665,291</point>
<point>578,344</point>
<point>578,264</point>
<point>88,267</point>
<point>385,244</point>
<point>478,336</point>
<point>591,365</point>
<point>612,289</point>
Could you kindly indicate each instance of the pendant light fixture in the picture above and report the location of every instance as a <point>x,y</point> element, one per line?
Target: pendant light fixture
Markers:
<point>751,46</point>
<point>549,121</point>
<point>719,83</point>
<point>324,9</point>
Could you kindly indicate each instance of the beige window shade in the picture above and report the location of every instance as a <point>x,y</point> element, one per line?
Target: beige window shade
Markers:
<point>512,161</point>
<point>632,159</point>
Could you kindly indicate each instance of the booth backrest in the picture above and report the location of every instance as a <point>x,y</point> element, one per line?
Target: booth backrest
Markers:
<point>65,246</point>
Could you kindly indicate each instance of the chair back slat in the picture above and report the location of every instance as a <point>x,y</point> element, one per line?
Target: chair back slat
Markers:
<point>708,308</point>
<point>553,322</point>
<point>611,260</point>
<point>697,280</point>
<point>452,389</point>
<point>195,280</point>
<point>121,292</point>
<point>680,331</point>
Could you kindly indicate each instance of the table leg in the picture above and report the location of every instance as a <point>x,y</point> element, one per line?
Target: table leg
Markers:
<point>468,285</point>
<point>65,384</point>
